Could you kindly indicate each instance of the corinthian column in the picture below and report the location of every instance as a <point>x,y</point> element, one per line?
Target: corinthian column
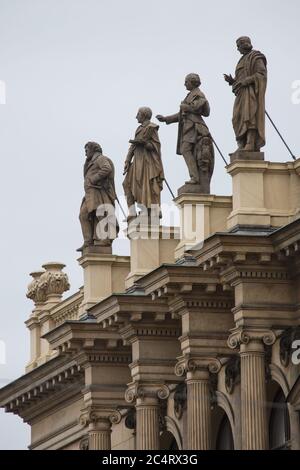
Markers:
<point>253,386</point>
<point>147,413</point>
<point>198,399</point>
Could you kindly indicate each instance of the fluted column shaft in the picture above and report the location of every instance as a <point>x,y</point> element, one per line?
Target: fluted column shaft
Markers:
<point>253,396</point>
<point>147,424</point>
<point>198,410</point>
<point>100,435</point>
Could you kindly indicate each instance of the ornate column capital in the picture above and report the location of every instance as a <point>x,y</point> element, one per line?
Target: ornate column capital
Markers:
<point>146,390</point>
<point>197,363</point>
<point>94,416</point>
<point>246,336</point>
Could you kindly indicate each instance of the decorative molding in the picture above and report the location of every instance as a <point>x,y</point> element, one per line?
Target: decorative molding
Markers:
<point>109,358</point>
<point>70,312</point>
<point>191,364</point>
<point>222,304</point>
<point>158,331</point>
<point>234,274</point>
<point>245,336</point>
<point>48,387</point>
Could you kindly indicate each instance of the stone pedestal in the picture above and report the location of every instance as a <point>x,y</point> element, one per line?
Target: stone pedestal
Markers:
<point>149,248</point>
<point>201,215</point>
<point>103,274</point>
<point>246,155</point>
<point>265,194</point>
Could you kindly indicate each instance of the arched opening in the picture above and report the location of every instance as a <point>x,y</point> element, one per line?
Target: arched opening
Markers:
<point>168,441</point>
<point>224,437</point>
<point>279,423</point>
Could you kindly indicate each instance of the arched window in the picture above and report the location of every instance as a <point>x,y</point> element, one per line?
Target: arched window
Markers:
<point>225,438</point>
<point>279,424</point>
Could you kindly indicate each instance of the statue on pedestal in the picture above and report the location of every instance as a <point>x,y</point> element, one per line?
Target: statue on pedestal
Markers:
<point>97,212</point>
<point>143,168</point>
<point>249,86</point>
<point>194,139</point>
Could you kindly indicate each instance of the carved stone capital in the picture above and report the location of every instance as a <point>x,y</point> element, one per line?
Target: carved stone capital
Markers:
<point>95,415</point>
<point>137,390</point>
<point>246,336</point>
<point>192,364</point>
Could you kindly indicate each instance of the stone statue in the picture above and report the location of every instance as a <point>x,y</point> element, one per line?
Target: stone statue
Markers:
<point>249,87</point>
<point>194,140</point>
<point>143,168</point>
<point>99,200</point>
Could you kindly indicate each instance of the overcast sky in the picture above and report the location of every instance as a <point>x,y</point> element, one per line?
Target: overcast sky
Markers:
<point>77,70</point>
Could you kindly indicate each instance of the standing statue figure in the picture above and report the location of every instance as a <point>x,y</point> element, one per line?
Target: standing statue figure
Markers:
<point>98,203</point>
<point>194,139</point>
<point>249,87</point>
<point>143,168</point>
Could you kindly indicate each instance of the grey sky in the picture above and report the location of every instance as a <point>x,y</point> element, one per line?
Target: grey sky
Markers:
<point>77,70</point>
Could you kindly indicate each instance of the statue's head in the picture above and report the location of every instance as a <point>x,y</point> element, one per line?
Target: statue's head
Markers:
<point>244,44</point>
<point>91,148</point>
<point>192,80</point>
<point>144,114</point>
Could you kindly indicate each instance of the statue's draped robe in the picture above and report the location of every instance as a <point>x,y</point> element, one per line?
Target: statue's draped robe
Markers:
<point>144,179</point>
<point>249,105</point>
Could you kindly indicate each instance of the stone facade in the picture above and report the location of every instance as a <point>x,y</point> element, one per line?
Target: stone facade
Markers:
<point>186,344</point>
